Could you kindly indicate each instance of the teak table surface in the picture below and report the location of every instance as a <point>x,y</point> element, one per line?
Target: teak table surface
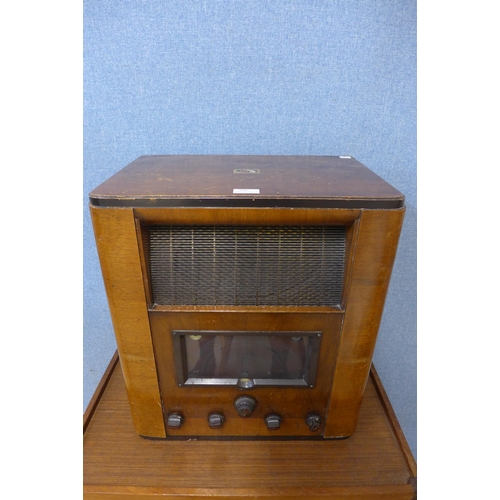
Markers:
<point>375,462</point>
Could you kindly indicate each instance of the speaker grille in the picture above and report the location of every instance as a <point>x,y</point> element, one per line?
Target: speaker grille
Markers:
<point>247,265</point>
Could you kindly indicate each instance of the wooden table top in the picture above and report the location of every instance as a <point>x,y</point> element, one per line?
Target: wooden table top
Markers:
<point>375,462</point>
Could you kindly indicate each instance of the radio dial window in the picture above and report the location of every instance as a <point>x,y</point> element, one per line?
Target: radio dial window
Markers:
<point>246,359</point>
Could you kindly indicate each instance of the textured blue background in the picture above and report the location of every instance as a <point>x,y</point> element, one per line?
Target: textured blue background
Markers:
<point>239,77</point>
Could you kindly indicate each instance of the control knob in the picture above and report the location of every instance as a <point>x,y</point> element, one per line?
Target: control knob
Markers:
<point>215,420</point>
<point>313,421</point>
<point>273,422</point>
<point>245,405</point>
<point>174,420</point>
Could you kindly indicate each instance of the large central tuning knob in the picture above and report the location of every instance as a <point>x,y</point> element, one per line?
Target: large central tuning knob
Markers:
<point>245,405</point>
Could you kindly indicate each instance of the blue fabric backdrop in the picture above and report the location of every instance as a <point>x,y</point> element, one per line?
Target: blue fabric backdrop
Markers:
<point>237,77</point>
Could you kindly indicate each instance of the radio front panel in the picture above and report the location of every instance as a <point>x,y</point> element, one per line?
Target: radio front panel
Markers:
<point>283,360</point>
<point>247,310</point>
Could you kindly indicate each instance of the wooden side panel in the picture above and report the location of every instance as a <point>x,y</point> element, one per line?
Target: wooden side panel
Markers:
<point>116,240</point>
<point>374,254</point>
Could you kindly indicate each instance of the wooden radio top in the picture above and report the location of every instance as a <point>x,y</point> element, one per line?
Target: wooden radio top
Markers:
<point>232,180</point>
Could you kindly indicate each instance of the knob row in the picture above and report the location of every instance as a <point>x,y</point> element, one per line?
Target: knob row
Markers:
<point>216,421</point>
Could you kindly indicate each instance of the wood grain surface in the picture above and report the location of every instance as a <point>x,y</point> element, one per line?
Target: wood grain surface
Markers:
<point>116,241</point>
<point>373,259</point>
<point>121,239</point>
<point>159,177</point>
<point>118,464</point>
<point>291,403</point>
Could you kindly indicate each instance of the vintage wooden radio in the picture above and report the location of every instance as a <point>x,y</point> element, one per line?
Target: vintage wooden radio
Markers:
<point>246,292</point>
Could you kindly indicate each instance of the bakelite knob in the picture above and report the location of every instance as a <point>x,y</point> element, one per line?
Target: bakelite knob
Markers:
<point>245,405</point>
<point>174,420</point>
<point>273,422</point>
<point>313,421</point>
<point>215,420</point>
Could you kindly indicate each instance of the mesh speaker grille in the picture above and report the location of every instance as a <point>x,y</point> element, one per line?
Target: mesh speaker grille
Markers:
<point>247,265</point>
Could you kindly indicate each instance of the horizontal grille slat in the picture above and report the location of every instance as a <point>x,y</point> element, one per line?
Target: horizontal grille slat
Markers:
<point>247,265</point>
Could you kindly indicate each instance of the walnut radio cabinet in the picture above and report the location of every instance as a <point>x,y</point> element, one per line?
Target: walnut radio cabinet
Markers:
<point>246,292</point>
